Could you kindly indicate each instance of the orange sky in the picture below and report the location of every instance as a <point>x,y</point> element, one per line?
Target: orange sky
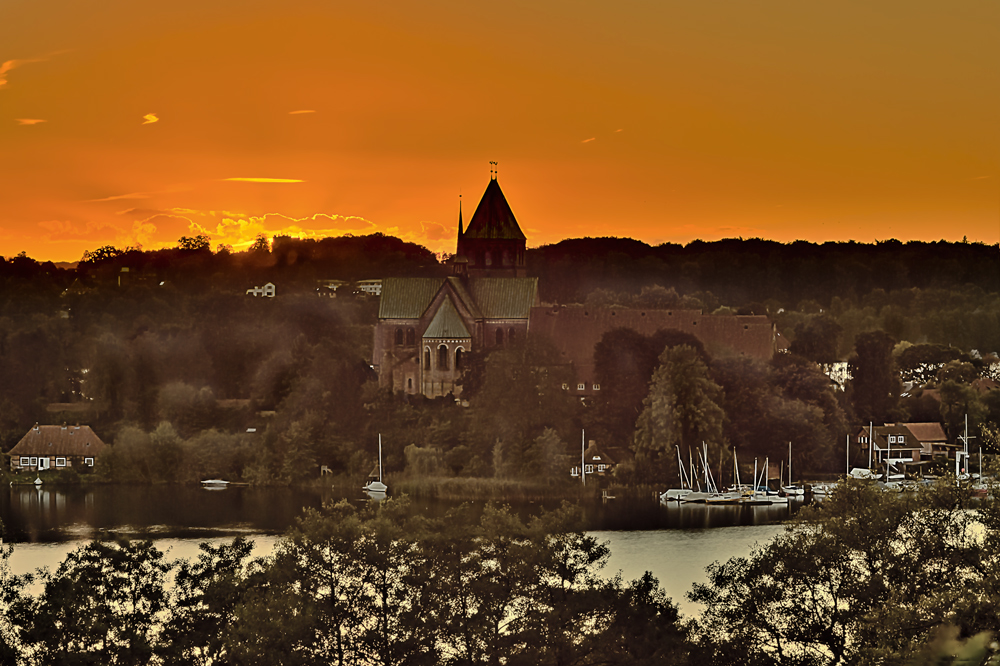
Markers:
<point>126,122</point>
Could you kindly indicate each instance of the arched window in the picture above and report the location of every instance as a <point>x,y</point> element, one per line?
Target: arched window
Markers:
<point>411,336</point>
<point>443,357</point>
<point>458,358</point>
<point>510,335</point>
<point>427,358</point>
<point>409,383</point>
<point>399,337</point>
<point>499,337</point>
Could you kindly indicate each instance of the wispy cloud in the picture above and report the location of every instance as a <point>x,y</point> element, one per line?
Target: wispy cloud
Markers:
<point>618,130</point>
<point>13,64</point>
<point>150,118</point>
<point>130,195</point>
<point>263,180</point>
<point>29,121</point>
<point>295,113</point>
<point>593,138</point>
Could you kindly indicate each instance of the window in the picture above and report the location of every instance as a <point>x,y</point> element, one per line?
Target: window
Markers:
<point>581,387</point>
<point>499,337</point>
<point>458,358</point>
<point>892,439</point>
<point>900,439</point>
<point>399,337</point>
<point>33,461</point>
<point>411,336</point>
<point>25,461</point>
<point>597,387</point>
<point>565,386</point>
<point>60,462</point>
<point>575,471</point>
<point>443,357</point>
<point>427,358</point>
<point>409,383</point>
<point>600,468</point>
<point>510,335</point>
<point>89,462</point>
<point>590,469</point>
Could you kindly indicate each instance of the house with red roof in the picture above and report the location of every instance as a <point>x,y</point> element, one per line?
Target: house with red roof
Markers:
<point>56,447</point>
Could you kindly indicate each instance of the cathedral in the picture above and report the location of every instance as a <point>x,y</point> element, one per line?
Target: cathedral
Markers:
<point>426,325</point>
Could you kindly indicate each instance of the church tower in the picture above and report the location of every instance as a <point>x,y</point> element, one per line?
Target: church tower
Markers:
<point>492,244</point>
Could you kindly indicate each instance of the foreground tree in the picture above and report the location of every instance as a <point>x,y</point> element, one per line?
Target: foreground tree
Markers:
<point>101,606</point>
<point>864,578</point>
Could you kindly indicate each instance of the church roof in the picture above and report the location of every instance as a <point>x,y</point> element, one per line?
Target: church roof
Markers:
<point>493,218</point>
<point>447,323</point>
<point>407,298</point>
<point>490,298</point>
<point>504,298</point>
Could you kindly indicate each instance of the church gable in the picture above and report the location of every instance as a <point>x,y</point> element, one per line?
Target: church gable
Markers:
<point>447,323</point>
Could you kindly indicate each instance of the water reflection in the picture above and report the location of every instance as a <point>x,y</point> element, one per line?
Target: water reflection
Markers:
<point>52,514</point>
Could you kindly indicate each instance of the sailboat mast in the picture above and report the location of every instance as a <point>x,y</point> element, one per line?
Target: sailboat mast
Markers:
<point>871,443</point>
<point>583,456</point>
<point>380,457</point>
<point>789,463</point>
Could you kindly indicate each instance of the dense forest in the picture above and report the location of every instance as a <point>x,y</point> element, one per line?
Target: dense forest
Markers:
<point>165,355</point>
<point>865,577</point>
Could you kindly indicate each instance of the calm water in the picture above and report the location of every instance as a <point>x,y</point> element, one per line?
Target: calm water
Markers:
<point>674,542</point>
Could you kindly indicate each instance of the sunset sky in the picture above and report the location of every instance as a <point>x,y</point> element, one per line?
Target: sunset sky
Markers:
<point>125,122</point>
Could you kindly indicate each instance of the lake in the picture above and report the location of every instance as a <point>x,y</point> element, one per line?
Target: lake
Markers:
<point>674,542</point>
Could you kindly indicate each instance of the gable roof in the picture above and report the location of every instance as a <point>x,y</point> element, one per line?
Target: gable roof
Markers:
<point>464,297</point>
<point>447,323</point>
<point>927,432</point>
<point>407,298</point>
<point>493,218</point>
<point>504,298</point>
<point>53,440</point>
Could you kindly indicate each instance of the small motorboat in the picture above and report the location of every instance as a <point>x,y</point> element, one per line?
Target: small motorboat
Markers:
<point>214,484</point>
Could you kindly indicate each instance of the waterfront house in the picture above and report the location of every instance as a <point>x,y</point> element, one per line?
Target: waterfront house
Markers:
<point>904,442</point>
<point>56,447</point>
<point>596,460</point>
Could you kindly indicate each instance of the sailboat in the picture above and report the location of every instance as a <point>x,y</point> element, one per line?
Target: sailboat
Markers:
<point>678,494</point>
<point>792,490</point>
<point>377,486</point>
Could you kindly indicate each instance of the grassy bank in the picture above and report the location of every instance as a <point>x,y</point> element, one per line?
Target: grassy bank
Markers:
<point>501,490</point>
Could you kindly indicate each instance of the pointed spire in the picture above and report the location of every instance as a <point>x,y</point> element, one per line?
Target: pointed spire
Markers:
<point>459,215</point>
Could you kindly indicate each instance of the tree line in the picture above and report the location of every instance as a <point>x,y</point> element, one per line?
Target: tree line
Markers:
<point>865,577</point>
<point>193,378</point>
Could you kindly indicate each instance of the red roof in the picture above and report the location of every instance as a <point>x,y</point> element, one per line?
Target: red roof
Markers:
<point>52,440</point>
<point>927,432</point>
